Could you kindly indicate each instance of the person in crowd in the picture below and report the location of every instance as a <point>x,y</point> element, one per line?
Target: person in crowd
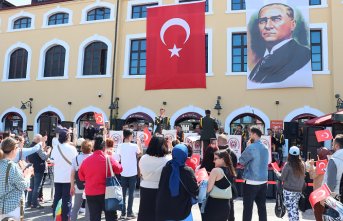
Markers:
<point>151,165</point>
<point>334,169</point>
<point>86,151</point>
<point>191,162</point>
<point>39,165</point>
<point>23,153</point>
<point>239,130</point>
<point>128,153</point>
<point>95,180</point>
<point>293,178</point>
<point>180,135</point>
<point>162,122</point>
<point>62,156</point>
<point>255,161</point>
<point>13,181</point>
<point>208,127</point>
<point>110,150</point>
<point>245,136</point>
<point>323,153</point>
<point>176,188</point>
<point>197,129</point>
<point>175,142</point>
<point>223,145</point>
<point>208,160</point>
<point>222,176</point>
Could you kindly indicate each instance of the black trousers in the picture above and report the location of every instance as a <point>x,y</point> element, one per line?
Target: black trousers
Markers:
<point>251,194</point>
<point>96,205</point>
<point>147,204</point>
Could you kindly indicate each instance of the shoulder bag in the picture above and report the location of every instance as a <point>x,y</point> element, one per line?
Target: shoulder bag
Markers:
<point>66,160</point>
<point>218,193</point>
<point>113,192</point>
<point>194,199</point>
<point>80,184</point>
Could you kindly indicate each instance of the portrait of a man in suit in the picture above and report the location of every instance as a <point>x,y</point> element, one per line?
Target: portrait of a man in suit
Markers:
<point>282,56</point>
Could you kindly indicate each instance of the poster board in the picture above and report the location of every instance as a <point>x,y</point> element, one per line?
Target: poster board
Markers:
<point>117,136</point>
<point>235,144</point>
<point>267,140</point>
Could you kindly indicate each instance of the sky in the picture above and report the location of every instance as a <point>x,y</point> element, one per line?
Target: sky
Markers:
<point>20,2</point>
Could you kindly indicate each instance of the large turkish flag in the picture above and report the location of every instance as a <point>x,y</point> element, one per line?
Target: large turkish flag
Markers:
<point>319,194</point>
<point>323,135</point>
<point>176,47</point>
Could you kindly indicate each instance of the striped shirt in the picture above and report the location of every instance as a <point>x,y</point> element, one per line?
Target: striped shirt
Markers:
<point>10,198</point>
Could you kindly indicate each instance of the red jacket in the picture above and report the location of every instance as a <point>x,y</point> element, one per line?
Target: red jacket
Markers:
<point>93,172</point>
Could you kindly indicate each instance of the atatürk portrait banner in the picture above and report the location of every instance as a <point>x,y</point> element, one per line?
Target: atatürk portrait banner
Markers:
<point>279,54</point>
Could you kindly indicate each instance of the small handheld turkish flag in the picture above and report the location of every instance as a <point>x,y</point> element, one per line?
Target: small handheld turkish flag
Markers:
<point>201,175</point>
<point>176,47</point>
<point>99,118</point>
<point>196,159</point>
<point>321,166</point>
<point>147,137</point>
<point>319,194</point>
<point>323,135</point>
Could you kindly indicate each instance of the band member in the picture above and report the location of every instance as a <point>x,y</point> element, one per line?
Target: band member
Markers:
<point>162,122</point>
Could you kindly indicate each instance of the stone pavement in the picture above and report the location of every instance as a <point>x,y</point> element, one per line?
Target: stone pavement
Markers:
<point>46,213</point>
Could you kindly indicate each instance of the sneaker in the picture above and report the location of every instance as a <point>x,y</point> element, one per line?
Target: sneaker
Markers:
<point>122,217</point>
<point>82,210</point>
<point>131,216</point>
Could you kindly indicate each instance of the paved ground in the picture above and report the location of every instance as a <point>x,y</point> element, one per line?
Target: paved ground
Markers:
<point>46,214</point>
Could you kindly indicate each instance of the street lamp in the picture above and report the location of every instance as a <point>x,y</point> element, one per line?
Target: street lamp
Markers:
<point>218,107</point>
<point>114,106</point>
<point>27,104</point>
<point>339,104</point>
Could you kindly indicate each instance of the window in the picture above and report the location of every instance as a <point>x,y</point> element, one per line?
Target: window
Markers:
<point>58,19</point>
<point>138,57</point>
<point>54,61</point>
<point>22,23</point>
<point>315,2</point>
<point>316,50</point>
<point>206,52</point>
<point>237,5</point>
<point>206,5</point>
<point>239,52</point>
<point>18,64</point>
<point>98,14</point>
<point>95,59</point>
<point>140,11</point>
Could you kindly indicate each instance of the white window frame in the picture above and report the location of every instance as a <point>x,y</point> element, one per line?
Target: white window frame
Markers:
<point>17,16</point>
<point>324,4</point>
<point>210,6</point>
<point>325,46</point>
<point>136,3</point>
<point>229,33</point>
<point>82,48</point>
<point>44,49</point>
<point>56,10</point>
<point>97,4</point>
<point>10,50</point>
<point>129,38</point>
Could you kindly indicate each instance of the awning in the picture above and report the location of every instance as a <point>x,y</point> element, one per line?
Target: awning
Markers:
<point>325,120</point>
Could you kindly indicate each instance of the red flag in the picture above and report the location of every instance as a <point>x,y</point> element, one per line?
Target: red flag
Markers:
<point>319,194</point>
<point>196,159</point>
<point>99,118</point>
<point>147,137</point>
<point>176,47</point>
<point>201,175</point>
<point>321,166</point>
<point>323,135</point>
<point>275,166</point>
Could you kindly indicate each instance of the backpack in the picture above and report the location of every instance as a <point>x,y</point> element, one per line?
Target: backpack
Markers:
<point>80,184</point>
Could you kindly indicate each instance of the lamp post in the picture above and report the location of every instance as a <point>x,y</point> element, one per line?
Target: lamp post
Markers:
<point>339,105</point>
<point>27,104</point>
<point>218,106</point>
<point>114,106</point>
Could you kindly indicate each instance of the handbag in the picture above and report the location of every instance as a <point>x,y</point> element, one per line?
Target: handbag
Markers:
<point>113,192</point>
<point>218,193</point>
<point>80,184</point>
<point>279,209</point>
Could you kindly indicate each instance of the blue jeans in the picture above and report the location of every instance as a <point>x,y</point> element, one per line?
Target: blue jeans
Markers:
<point>62,191</point>
<point>128,183</point>
<point>35,185</point>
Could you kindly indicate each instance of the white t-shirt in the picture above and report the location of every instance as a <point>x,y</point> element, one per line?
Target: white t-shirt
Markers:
<point>76,166</point>
<point>128,157</point>
<point>62,169</point>
<point>151,169</point>
<point>55,142</point>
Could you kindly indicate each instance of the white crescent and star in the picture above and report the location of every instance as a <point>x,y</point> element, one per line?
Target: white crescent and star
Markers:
<point>99,119</point>
<point>175,22</point>
<point>325,135</point>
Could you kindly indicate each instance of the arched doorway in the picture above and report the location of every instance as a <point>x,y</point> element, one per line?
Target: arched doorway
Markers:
<point>47,123</point>
<point>137,120</point>
<point>13,123</point>
<point>87,126</point>
<point>246,120</point>
<point>302,118</point>
<point>188,121</point>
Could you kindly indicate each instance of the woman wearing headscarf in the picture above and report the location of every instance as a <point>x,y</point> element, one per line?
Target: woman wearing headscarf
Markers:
<point>177,186</point>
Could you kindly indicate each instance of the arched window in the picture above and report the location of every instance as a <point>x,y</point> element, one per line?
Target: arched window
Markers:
<point>18,64</point>
<point>58,19</point>
<point>21,23</point>
<point>98,14</point>
<point>54,61</point>
<point>246,120</point>
<point>95,59</point>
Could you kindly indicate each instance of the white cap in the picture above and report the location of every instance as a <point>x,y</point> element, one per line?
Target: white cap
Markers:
<point>294,151</point>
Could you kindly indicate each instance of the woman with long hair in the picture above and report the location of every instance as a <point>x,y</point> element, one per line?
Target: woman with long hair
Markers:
<point>207,161</point>
<point>151,165</point>
<point>222,176</point>
<point>293,178</point>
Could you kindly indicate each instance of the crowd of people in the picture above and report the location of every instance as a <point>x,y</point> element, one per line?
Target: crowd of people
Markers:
<point>164,171</point>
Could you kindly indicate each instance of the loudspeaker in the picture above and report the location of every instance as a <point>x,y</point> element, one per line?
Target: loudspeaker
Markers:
<point>47,125</point>
<point>337,129</point>
<point>310,142</point>
<point>291,130</point>
<point>118,124</point>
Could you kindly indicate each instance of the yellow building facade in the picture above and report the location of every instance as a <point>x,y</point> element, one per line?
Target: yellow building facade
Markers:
<point>85,41</point>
